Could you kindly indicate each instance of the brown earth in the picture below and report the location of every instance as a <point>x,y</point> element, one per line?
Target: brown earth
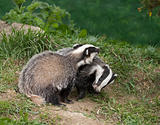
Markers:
<point>7,28</point>
<point>78,113</point>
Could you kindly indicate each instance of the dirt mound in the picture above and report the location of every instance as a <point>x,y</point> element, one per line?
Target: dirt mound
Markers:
<point>7,28</point>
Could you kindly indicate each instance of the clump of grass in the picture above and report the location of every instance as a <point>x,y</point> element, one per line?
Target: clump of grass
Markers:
<point>15,107</point>
<point>22,121</point>
<point>46,117</point>
<point>21,45</point>
<point>130,111</point>
<point>9,72</point>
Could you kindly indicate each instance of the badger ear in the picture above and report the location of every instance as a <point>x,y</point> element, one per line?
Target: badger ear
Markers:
<point>87,52</point>
<point>75,46</point>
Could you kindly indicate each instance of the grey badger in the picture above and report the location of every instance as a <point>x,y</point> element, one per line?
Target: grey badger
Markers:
<point>91,77</point>
<point>49,77</point>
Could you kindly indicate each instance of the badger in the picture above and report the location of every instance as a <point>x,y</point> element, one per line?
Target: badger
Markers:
<point>91,77</point>
<point>49,77</point>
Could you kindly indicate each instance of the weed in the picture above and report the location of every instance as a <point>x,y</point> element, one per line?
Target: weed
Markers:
<point>49,18</point>
<point>50,120</point>
<point>22,121</point>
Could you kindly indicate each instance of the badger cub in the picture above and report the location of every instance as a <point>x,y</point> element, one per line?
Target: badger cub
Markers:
<point>91,77</point>
<point>50,76</point>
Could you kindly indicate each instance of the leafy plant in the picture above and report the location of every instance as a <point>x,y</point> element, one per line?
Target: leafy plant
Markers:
<point>48,17</point>
<point>23,121</point>
<point>150,5</point>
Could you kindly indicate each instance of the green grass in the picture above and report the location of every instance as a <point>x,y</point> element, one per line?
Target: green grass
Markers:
<point>17,111</point>
<point>132,100</point>
<point>131,111</point>
<point>116,19</point>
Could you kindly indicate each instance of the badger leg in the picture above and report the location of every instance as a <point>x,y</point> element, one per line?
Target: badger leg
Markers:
<point>52,95</point>
<point>64,95</point>
<point>53,99</point>
<point>81,93</point>
<point>91,89</point>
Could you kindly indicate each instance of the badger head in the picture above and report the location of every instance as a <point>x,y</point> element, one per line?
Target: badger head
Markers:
<point>85,53</point>
<point>104,77</point>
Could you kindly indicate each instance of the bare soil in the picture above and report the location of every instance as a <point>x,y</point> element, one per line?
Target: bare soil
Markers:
<point>78,113</point>
<point>7,28</point>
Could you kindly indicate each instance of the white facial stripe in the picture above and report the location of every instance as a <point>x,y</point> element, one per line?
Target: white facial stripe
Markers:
<point>80,63</point>
<point>82,48</point>
<point>99,72</point>
<point>106,80</point>
<point>107,66</point>
<point>89,60</point>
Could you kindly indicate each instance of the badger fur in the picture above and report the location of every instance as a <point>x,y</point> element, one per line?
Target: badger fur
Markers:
<point>51,76</point>
<point>91,77</point>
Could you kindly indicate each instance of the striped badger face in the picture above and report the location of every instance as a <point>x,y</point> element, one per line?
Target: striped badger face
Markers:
<point>87,53</point>
<point>104,77</point>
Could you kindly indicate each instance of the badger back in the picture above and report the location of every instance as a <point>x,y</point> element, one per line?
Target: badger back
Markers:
<point>46,69</point>
<point>64,51</point>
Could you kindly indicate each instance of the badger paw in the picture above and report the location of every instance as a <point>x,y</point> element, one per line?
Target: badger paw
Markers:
<point>68,101</point>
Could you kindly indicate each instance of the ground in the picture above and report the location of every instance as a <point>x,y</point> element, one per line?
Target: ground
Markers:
<point>78,113</point>
<point>132,99</point>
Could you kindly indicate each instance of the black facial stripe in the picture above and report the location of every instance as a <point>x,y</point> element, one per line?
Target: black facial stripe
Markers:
<point>91,50</point>
<point>104,75</point>
<point>113,77</point>
<point>77,46</point>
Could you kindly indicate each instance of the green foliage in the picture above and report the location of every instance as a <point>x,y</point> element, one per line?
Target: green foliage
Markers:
<point>83,33</point>
<point>150,5</point>
<point>23,121</point>
<point>48,17</point>
<point>118,20</point>
<point>19,2</point>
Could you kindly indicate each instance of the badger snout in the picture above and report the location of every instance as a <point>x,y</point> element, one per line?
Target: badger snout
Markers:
<point>96,88</point>
<point>100,85</point>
